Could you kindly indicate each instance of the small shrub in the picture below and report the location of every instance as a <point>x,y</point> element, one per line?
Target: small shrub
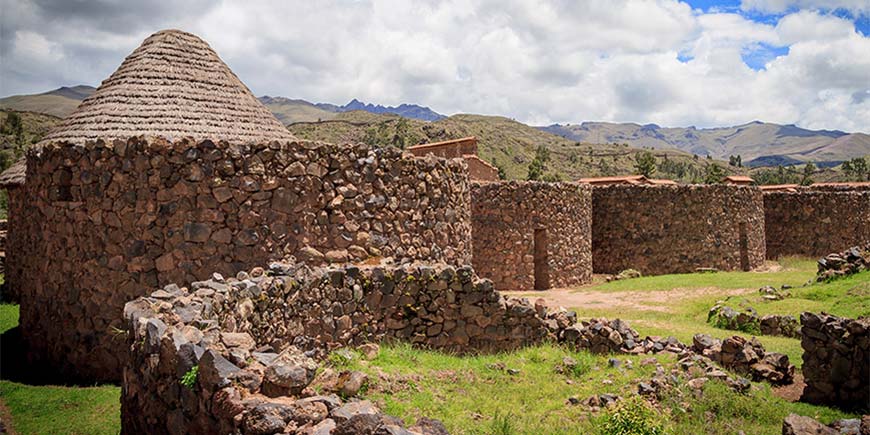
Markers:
<point>633,416</point>
<point>189,378</point>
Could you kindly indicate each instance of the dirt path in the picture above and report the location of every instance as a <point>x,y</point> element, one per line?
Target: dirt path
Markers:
<point>636,300</point>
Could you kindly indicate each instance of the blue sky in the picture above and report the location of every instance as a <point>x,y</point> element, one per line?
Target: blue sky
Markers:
<point>669,62</point>
<point>756,56</point>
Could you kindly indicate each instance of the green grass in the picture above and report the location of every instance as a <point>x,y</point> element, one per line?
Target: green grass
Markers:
<point>475,395</point>
<point>56,410</point>
<point>472,397</point>
<point>8,317</point>
<point>62,410</point>
<point>686,316</point>
<point>794,272</point>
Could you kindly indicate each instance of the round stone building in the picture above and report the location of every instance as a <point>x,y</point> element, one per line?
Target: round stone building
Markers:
<point>172,170</point>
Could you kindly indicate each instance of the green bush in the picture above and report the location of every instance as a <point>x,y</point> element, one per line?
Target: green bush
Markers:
<point>633,416</point>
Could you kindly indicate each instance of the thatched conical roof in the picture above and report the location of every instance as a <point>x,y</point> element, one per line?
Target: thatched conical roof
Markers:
<point>174,85</point>
<point>14,175</point>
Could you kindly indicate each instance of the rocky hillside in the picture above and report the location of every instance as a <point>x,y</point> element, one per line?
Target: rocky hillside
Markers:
<point>506,143</point>
<point>758,143</point>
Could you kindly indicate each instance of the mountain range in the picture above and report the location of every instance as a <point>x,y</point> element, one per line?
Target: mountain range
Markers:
<point>757,143</point>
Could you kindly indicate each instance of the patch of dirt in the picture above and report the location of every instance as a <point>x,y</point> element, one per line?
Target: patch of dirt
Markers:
<point>658,300</point>
<point>769,266</point>
<point>791,393</point>
<point>6,420</point>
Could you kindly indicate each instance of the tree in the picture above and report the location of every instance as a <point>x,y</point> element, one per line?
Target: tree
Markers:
<point>809,169</point>
<point>502,175</point>
<point>645,163</point>
<point>856,169</point>
<point>714,174</point>
<point>538,164</point>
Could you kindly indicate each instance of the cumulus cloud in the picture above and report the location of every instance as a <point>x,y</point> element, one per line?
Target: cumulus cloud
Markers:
<point>539,61</point>
<point>780,6</point>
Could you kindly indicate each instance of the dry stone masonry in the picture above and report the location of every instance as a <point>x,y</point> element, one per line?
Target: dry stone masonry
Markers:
<point>848,262</point>
<point>254,339</point>
<point>532,235</point>
<point>836,357</point>
<point>814,223</point>
<point>676,229</point>
<point>132,215</point>
<point>16,243</point>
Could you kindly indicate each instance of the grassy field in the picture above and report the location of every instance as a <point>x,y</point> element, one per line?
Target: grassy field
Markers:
<point>54,409</point>
<point>476,395</point>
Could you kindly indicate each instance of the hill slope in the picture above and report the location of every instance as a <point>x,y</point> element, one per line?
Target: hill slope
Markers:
<point>506,143</point>
<point>758,143</point>
<point>59,102</point>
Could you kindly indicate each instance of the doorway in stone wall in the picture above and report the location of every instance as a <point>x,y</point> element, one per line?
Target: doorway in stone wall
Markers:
<point>542,270</point>
<point>744,248</point>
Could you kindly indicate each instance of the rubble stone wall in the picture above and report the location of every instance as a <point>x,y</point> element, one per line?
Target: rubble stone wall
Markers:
<point>16,241</point>
<point>816,223</point>
<point>246,335</point>
<point>106,222</point>
<point>506,217</point>
<point>836,352</point>
<point>676,229</point>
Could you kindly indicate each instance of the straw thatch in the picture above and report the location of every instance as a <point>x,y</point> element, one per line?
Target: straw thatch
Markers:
<point>14,175</point>
<point>174,85</point>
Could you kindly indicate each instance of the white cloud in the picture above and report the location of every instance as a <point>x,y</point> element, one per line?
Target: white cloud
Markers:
<point>780,6</point>
<point>539,62</point>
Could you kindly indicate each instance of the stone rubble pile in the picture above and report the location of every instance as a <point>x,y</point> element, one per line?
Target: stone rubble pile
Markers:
<point>848,262</point>
<point>602,336</point>
<point>748,320</point>
<point>725,317</point>
<point>800,425</point>
<point>836,360</point>
<point>770,293</point>
<point>746,356</point>
<point>782,325</point>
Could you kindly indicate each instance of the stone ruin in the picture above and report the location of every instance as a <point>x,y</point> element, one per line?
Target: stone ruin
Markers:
<point>141,188</point>
<point>255,338</point>
<point>676,229</point>
<point>840,264</point>
<point>532,235</point>
<point>814,221</point>
<point>249,346</point>
<point>144,213</point>
<point>836,360</point>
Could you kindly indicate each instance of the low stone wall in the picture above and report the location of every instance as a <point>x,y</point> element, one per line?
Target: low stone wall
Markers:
<point>246,336</point>
<point>104,223</point>
<point>676,229</point>
<point>532,235</point>
<point>815,223</point>
<point>836,356</point>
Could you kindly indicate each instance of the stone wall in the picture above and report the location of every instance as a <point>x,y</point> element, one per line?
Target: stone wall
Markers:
<point>676,229</point>
<point>106,222</point>
<point>247,336</point>
<point>16,241</point>
<point>836,355</point>
<point>815,223</point>
<point>532,235</point>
